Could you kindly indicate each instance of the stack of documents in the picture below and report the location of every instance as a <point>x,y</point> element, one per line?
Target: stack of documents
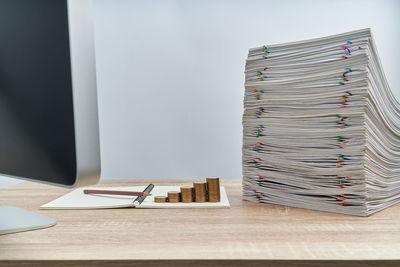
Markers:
<point>321,127</point>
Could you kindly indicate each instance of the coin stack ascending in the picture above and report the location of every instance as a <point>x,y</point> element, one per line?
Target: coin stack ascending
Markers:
<point>187,194</point>
<point>200,192</point>
<point>174,196</point>
<point>213,189</point>
<point>160,199</point>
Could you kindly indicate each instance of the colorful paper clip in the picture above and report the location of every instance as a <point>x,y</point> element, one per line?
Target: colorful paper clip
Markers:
<point>341,199</point>
<point>265,51</point>
<point>259,130</point>
<point>257,147</point>
<point>261,180</point>
<point>343,181</point>
<point>344,76</point>
<point>257,93</point>
<point>256,163</point>
<point>261,76</point>
<point>258,196</point>
<point>259,112</point>
<point>344,99</point>
<point>342,141</point>
<point>341,122</point>
<point>346,50</point>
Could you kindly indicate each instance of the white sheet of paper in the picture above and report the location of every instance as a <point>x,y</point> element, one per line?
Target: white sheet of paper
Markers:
<point>78,200</point>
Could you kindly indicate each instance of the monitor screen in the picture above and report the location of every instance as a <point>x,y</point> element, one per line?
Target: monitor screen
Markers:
<point>37,139</point>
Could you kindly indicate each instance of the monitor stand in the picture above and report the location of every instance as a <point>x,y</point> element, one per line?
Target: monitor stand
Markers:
<point>13,219</point>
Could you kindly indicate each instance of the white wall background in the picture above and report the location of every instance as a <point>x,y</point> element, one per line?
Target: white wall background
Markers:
<point>170,74</point>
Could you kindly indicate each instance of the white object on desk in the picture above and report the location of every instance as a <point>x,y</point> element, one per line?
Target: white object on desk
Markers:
<point>13,219</point>
<point>79,200</point>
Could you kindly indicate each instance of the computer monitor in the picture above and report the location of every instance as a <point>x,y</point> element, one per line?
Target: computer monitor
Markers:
<point>48,99</point>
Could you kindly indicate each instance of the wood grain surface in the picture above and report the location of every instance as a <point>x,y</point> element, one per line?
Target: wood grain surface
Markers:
<point>247,231</point>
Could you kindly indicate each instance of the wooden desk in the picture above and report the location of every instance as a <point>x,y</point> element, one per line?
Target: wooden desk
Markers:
<point>250,232</point>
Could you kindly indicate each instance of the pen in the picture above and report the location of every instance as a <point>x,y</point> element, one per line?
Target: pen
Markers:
<point>147,190</point>
<point>115,192</point>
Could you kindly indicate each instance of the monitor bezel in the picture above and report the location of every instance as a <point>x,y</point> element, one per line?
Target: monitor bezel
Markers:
<point>84,92</point>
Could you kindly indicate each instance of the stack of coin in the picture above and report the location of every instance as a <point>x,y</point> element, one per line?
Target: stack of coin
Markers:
<point>213,189</point>
<point>187,194</point>
<point>160,199</point>
<point>174,196</point>
<point>200,192</point>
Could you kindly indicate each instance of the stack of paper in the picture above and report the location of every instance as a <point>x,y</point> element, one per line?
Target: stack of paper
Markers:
<point>321,128</point>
